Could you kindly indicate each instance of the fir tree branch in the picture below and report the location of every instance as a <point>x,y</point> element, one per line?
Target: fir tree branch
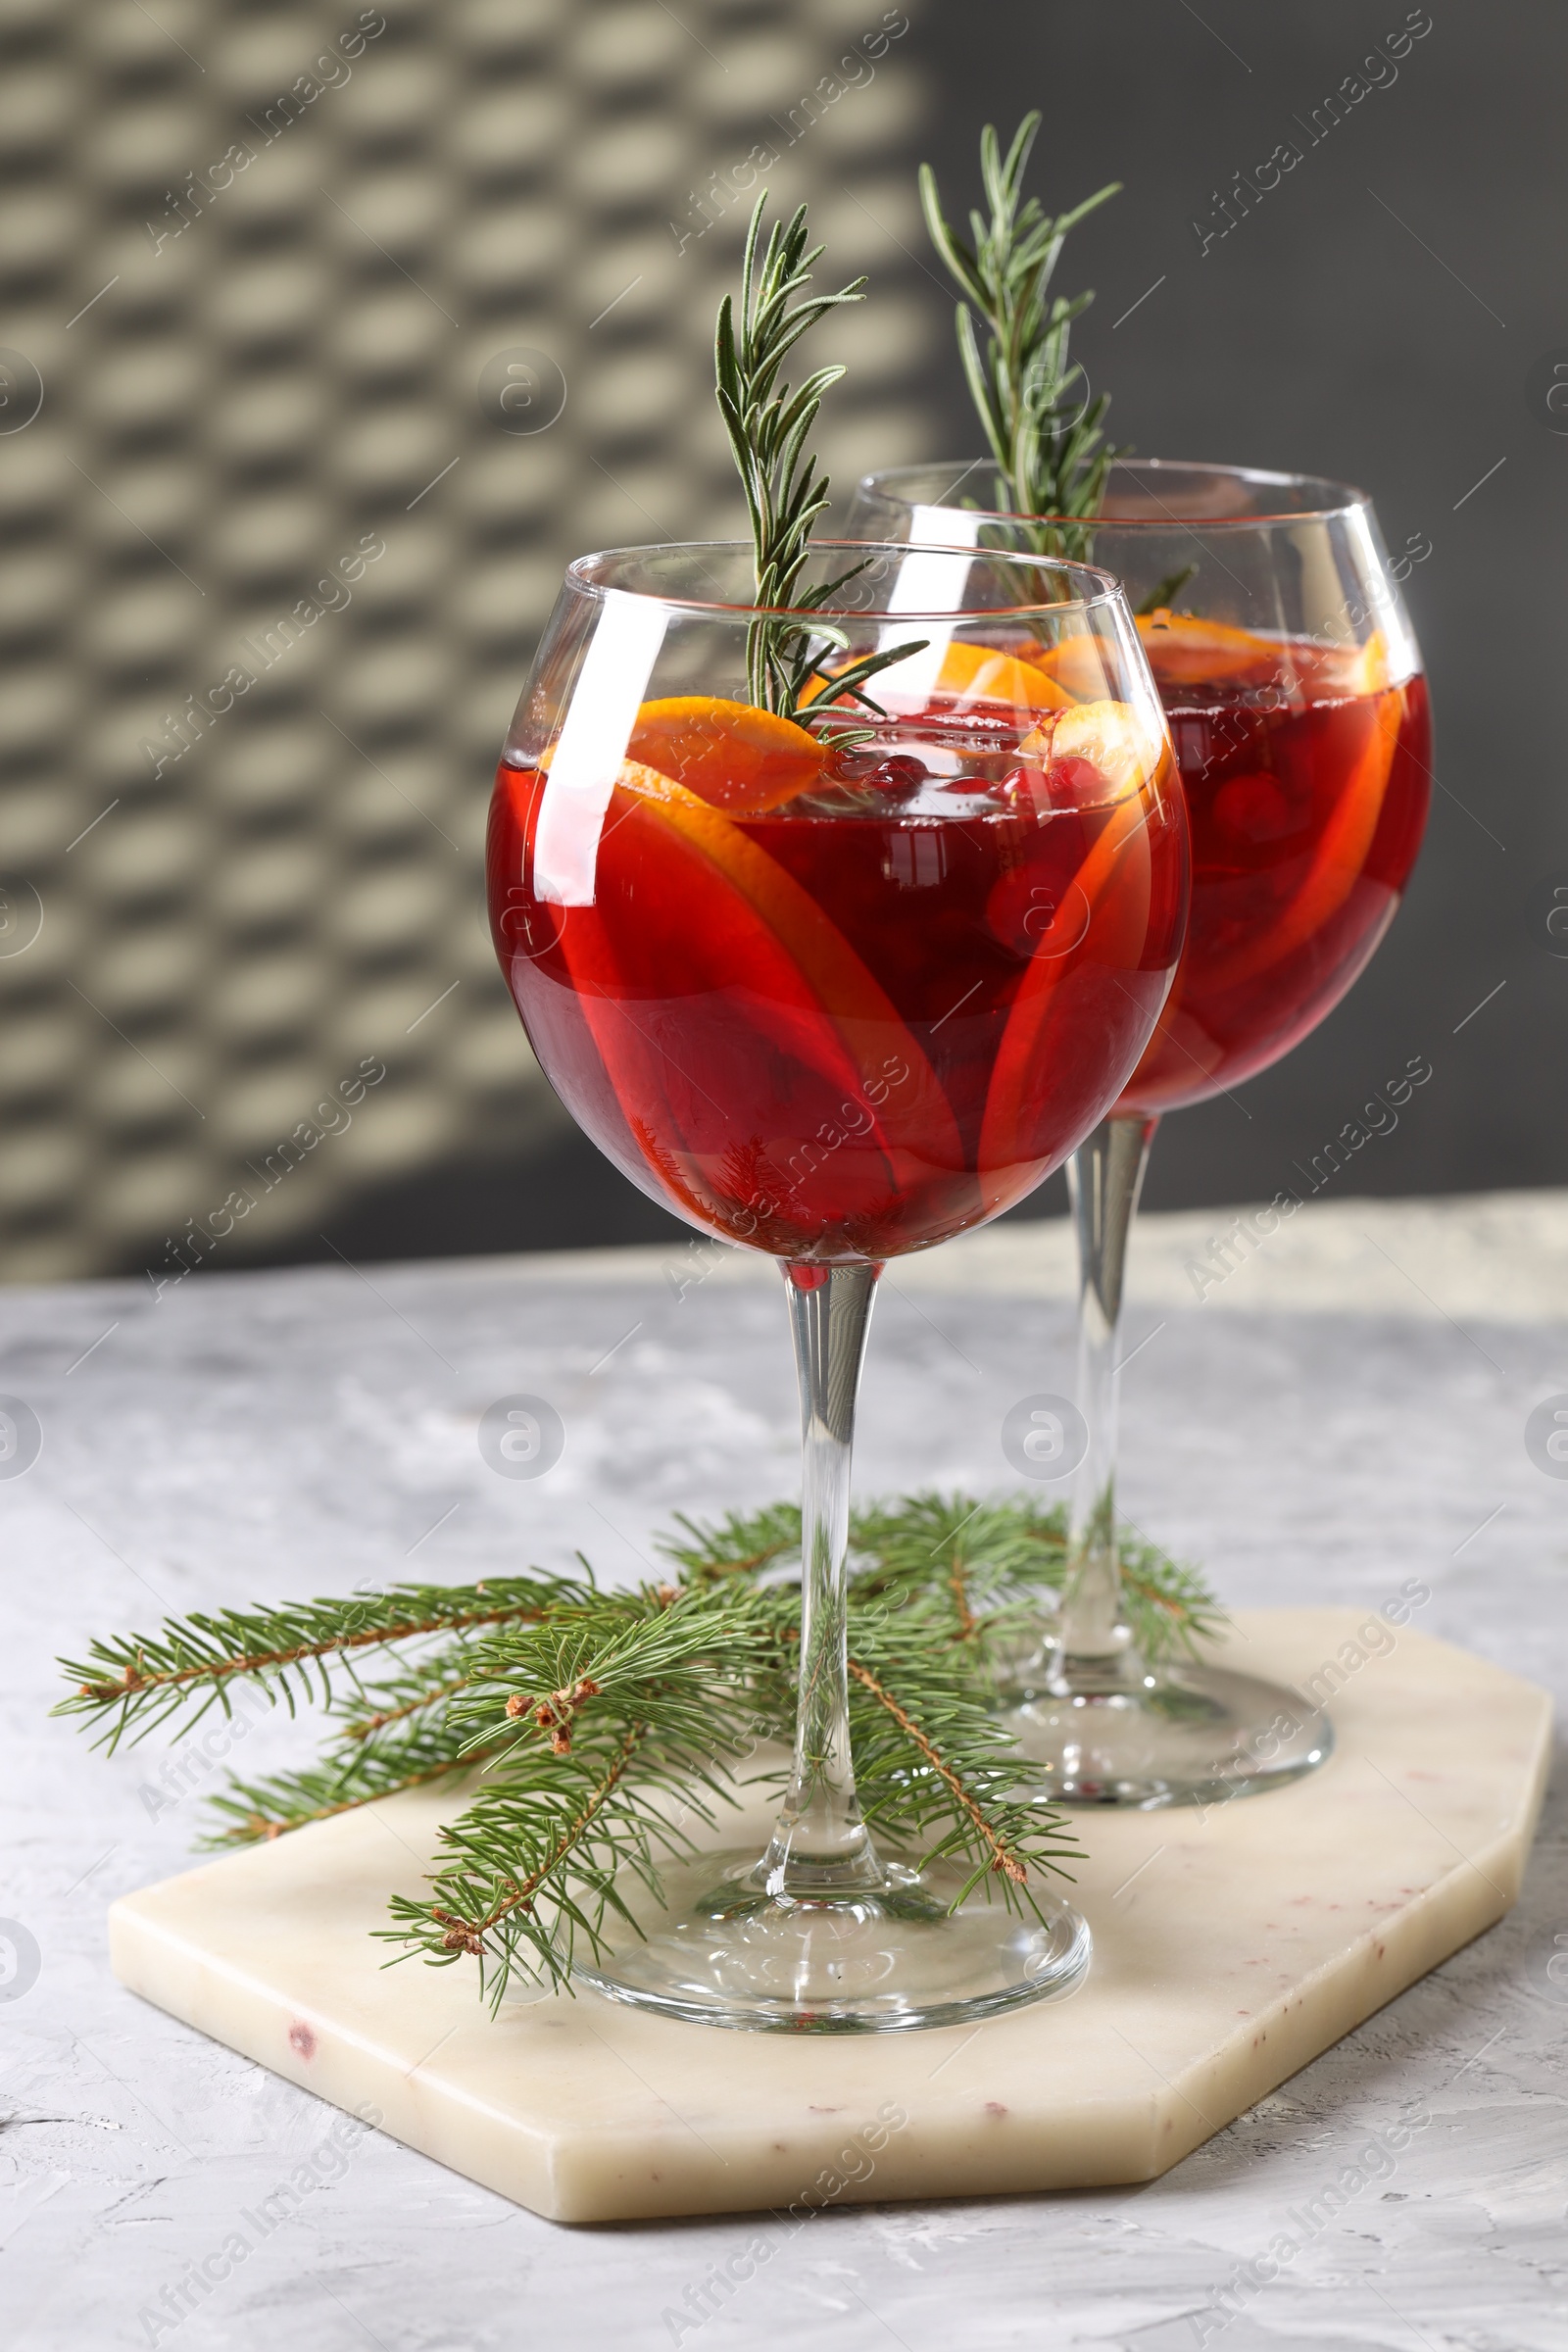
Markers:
<point>935,1769</point>
<point>467,1933</point>
<point>389,1710</point>
<point>672,1656</point>
<point>589,1736</point>
<point>290,1650</point>
<point>996,1562</point>
<point>741,1544</point>
<point>1169,1607</point>
<point>384,1737</point>
<point>543,1858</point>
<point>251,1810</point>
<point>666,1681</point>
<point>1045,437</point>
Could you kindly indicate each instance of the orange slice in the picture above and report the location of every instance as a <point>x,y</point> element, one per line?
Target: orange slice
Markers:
<point>730,754</point>
<point>981,673</point>
<point>1078,664</point>
<point>863,1024</point>
<point>1117,879</point>
<point>1184,651</point>
<point>1111,736</point>
<point>1336,864</point>
<point>1355,670</point>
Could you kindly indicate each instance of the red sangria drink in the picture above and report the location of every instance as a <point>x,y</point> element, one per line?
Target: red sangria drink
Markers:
<point>837,1003</point>
<point>1292,686</point>
<point>1307,773</point>
<point>837,928</point>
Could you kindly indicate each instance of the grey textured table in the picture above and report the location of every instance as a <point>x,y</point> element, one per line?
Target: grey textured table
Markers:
<point>1346,1409</point>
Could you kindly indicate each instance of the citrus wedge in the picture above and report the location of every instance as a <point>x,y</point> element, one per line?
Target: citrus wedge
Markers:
<point>982,674</point>
<point>1110,736</point>
<point>1355,670</point>
<point>730,754</point>
<point>1338,860</point>
<point>1078,666</point>
<point>1185,651</point>
<point>1117,880</point>
<point>715,909</point>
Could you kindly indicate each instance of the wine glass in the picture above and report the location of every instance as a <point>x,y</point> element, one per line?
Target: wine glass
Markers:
<point>834,987</point>
<point>1292,680</point>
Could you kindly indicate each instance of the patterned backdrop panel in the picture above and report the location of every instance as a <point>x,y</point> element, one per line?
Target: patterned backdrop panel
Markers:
<point>329,336</point>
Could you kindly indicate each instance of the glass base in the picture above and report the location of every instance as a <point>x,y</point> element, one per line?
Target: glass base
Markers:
<point>725,1952</point>
<point>1186,1736</point>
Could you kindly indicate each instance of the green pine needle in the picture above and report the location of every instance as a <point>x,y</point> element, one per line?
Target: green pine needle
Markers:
<point>292,1652</point>
<point>588,1738</point>
<point>741,1544</point>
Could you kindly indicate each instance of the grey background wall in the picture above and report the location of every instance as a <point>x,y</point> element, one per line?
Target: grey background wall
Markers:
<point>227,382</point>
<point>1389,315</point>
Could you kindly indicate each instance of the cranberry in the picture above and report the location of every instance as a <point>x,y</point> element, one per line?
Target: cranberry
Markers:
<point>901,773</point>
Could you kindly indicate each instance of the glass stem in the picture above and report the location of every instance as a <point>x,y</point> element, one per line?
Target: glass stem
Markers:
<point>821,1846</point>
<point>1096,1653</point>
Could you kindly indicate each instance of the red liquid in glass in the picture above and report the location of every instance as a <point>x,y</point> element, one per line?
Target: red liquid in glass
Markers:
<point>1306,800</point>
<point>856,1023</point>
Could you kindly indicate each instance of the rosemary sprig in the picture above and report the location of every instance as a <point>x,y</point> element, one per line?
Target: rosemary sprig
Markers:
<point>769,426</point>
<point>588,1736</point>
<point>1165,591</point>
<point>1046,441</point>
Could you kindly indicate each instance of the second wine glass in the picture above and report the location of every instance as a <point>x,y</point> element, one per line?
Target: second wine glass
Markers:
<point>1292,681</point>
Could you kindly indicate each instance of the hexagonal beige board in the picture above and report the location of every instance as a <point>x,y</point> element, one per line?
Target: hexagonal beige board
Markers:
<point>1231,1946</point>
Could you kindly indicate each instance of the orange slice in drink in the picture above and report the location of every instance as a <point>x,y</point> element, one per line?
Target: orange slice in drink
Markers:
<point>1355,670</point>
<point>1109,736</point>
<point>1115,882</point>
<point>739,926</point>
<point>730,754</point>
<point>1370,671</point>
<point>1078,666</point>
<point>1338,860</point>
<point>983,673</point>
<point>1185,651</point>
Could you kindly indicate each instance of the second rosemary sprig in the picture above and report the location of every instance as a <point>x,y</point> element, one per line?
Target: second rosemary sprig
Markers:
<point>1044,433</point>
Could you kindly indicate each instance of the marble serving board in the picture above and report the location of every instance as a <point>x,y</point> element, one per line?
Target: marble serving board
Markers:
<point>1232,1944</point>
